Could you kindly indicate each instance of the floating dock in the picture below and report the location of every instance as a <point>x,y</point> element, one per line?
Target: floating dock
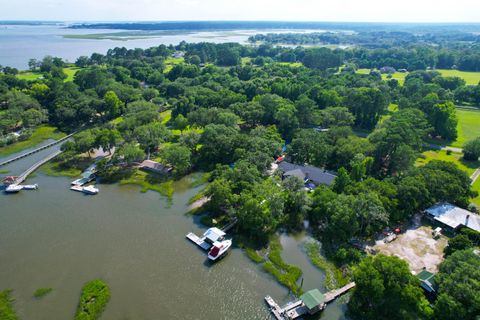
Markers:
<point>198,241</point>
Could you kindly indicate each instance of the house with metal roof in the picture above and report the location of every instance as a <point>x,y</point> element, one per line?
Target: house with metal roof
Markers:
<point>307,173</point>
<point>154,166</point>
<point>452,217</point>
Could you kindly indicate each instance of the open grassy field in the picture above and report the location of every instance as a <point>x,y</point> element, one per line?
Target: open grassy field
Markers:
<point>469,77</point>
<point>171,62</point>
<point>468,125</point>
<point>468,166</point>
<point>32,76</point>
<point>476,187</point>
<point>40,134</point>
<point>400,76</point>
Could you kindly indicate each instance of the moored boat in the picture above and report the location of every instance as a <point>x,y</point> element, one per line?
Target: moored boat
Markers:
<point>30,186</point>
<point>90,190</point>
<point>219,249</point>
<point>13,188</point>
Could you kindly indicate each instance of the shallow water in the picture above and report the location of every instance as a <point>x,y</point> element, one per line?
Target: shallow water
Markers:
<point>54,237</point>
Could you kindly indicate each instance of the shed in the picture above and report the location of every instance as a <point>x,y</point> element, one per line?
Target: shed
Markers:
<point>427,280</point>
<point>314,300</point>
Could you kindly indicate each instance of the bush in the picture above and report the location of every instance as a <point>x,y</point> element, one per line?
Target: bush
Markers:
<point>471,150</point>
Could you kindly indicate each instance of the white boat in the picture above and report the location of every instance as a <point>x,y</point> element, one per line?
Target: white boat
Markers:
<point>30,186</point>
<point>90,190</point>
<point>13,188</point>
<point>219,249</point>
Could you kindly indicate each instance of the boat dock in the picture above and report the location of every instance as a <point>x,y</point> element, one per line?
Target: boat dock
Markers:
<point>334,294</point>
<point>198,241</point>
<point>298,308</point>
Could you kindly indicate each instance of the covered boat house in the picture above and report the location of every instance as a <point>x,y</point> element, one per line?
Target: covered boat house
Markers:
<point>313,300</point>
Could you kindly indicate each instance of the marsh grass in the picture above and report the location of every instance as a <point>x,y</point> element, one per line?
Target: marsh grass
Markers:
<point>6,306</point>
<point>93,300</point>
<point>41,292</point>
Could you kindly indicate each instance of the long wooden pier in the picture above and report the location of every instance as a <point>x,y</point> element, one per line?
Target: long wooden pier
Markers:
<point>34,167</point>
<point>334,294</point>
<point>26,154</point>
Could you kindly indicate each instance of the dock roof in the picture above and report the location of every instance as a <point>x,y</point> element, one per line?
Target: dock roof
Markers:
<point>312,298</point>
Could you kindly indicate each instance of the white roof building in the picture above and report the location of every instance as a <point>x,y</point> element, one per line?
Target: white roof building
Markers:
<point>214,234</point>
<point>453,216</point>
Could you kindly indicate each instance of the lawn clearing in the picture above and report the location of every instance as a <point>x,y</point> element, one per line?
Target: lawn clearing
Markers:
<point>70,72</point>
<point>468,166</point>
<point>476,187</point>
<point>469,77</point>
<point>468,125</point>
<point>32,76</point>
<point>40,134</point>
<point>29,76</point>
<point>400,76</point>
<point>171,62</point>
<point>417,247</point>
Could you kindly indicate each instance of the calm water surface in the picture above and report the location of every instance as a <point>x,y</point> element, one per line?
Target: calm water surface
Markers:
<point>54,237</point>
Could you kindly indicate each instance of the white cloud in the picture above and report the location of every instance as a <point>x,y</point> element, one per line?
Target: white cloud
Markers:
<point>293,10</point>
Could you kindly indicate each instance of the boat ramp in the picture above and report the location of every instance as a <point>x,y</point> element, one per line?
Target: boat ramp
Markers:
<point>309,303</point>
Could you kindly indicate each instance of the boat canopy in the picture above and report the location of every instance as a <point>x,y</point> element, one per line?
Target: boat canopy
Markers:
<point>214,234</point>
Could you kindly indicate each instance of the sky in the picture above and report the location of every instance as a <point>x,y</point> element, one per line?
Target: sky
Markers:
<point>279,10</point>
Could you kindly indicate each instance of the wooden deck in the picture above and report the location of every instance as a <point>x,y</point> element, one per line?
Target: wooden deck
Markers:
<point>198,241</point>
<point>332,295</point>
<point>274,308</point>
<point>24,175</point>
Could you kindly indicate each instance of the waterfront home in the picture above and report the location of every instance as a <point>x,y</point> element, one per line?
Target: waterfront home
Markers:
<point>453,218</point>
<point>306,173</point>
<point>154,166</point>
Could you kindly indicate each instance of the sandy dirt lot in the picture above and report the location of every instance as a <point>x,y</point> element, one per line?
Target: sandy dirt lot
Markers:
<point>417,247</point>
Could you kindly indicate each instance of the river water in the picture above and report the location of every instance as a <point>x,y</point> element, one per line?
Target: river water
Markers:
<point>54,237</point>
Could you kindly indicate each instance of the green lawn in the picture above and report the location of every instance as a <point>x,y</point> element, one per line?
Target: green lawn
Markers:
<point>468,125</point>
<point>32,76</point>
<point>476,187</point>
<point>40,134</point>
<point>468,166</point>
<point>170,62</point>
<point>70,72</point>
<point>400,76</point>
<point>469,77</point>
<point>28,75</point>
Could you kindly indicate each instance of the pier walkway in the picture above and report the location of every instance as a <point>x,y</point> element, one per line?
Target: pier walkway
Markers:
<point>34,167</point>
<point>26,154</point>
